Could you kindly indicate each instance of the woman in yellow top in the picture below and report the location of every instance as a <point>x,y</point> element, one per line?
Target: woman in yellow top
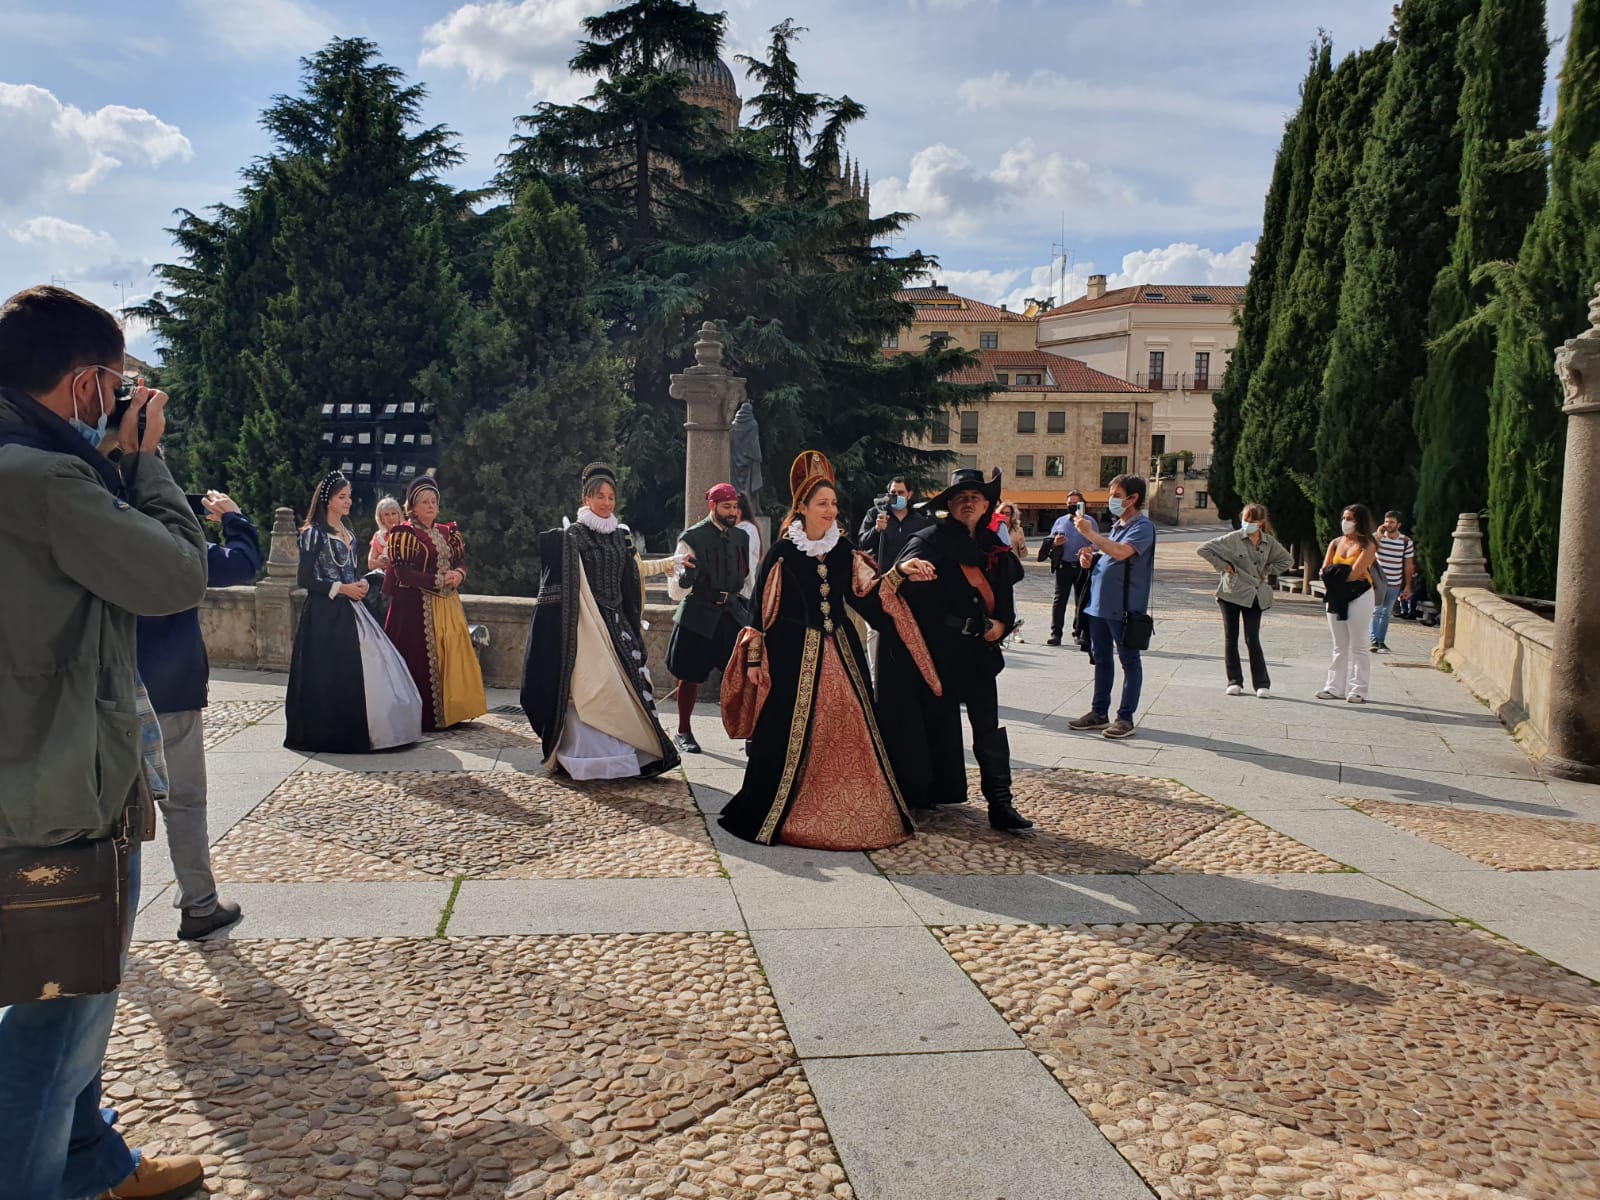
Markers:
<point>1347,576</point>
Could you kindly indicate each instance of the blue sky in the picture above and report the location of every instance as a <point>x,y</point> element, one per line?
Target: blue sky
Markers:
<point>1138,132</point>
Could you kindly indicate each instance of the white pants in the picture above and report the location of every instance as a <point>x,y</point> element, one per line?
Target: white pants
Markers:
<point>1350,672</point>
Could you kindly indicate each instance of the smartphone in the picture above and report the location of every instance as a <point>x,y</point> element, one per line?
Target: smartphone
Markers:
<point>197,505</point>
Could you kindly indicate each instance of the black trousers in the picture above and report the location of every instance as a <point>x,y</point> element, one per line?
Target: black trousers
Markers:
<point>923,732</point>
<point>1067,576</point>
<point>1232,616</point>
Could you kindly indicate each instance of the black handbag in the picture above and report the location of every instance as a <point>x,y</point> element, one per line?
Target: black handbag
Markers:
<point>62,916</point>
<point>1137,628</point>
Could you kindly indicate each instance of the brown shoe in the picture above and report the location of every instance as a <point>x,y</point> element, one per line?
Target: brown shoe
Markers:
<point>161,1179</point>
<point>1118,729</point>
<point>1089,720</point>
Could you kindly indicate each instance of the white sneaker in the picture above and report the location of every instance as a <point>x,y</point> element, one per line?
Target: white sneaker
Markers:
<point>1263,693</point>
<point>1327,695</point>
<point>1354,699</point>
<point>1235,690</point>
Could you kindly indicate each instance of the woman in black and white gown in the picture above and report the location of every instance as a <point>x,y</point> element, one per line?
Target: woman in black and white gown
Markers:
<point>349,690</point>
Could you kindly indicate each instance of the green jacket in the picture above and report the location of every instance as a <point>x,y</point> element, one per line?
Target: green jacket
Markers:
<point>80,566</point>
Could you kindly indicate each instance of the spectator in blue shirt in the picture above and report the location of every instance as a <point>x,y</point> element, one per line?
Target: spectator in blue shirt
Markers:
<point>1060,549</point>
<point>177,674</point>
<point>1123,564</point>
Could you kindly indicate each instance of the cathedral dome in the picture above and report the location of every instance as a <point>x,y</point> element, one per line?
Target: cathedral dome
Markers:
<point>715,74</point>
<point>711,85</point>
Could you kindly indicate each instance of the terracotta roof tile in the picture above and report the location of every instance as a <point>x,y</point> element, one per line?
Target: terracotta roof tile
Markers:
<point>1069,374</point>
<point>1230,295</point>
<point>936,305</point>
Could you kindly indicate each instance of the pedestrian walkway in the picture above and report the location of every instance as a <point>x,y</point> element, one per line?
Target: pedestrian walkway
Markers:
<point>1281,947</point>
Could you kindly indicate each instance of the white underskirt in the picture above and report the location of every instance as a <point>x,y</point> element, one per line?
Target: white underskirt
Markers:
<point>588,753</point>
<point>394,706</point>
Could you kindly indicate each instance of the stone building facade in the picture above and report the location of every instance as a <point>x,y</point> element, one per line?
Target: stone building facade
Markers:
<point>970,324</point>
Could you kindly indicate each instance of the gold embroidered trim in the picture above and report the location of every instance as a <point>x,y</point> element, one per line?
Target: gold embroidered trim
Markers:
<point>435,675</point>
<point>864,696</point>
<point>799,725</point>
<point>441,550</point>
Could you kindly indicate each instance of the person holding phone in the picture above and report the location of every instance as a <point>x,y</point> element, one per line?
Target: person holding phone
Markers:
<point>1060,549</point>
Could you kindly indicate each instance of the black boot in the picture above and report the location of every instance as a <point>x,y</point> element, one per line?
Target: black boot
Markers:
<point>993,752</point>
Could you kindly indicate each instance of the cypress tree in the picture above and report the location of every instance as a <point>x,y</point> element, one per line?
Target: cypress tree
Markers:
<point>1401,226</point>
<point>530,394</point>
<point>1254,319</point>
<point>1542,303</point>
<point>1281,411</point>
<point>1502,186</point>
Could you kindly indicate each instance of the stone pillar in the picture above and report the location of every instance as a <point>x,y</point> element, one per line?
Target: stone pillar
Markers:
<point>1466,568</point>
<point>274,596</point>
<point>712,394</point>
<point>1574,751</point>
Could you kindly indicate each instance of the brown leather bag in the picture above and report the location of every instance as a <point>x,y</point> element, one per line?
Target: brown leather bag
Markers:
<point>62,917</point>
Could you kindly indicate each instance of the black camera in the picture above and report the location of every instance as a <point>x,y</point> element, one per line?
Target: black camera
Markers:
<point>885,501</point>
<point>122,399</point>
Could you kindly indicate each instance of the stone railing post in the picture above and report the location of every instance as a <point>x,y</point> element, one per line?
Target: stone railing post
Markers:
<point>712,394</point>
<point>1574,680</point>
<point>1466,568</point>
<point>274,599</point>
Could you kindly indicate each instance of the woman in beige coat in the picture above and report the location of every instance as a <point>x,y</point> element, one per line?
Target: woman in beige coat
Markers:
<point>1246,559</point>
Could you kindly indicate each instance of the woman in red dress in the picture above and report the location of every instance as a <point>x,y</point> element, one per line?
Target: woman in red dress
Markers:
<point>427,566</point>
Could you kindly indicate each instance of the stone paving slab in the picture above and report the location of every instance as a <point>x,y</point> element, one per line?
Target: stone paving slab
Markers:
<point>1338,897</point>
<point>875,991</point>
<point>969,1126</point>
<point>487,824</point>
<point>839,897</point>
<point>593,1066</point>
<point>316,910</point>
<point>224,718</point>
<point>1360,1059</point>
<point>1498,840</point>
<point>1035,899</point>
<point>517,906</point>
<point>1363,843</point>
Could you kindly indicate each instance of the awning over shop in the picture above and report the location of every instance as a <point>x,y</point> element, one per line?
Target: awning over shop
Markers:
<point>1094,497</point>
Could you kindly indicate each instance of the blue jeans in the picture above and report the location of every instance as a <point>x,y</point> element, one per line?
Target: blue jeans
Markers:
<point>63,1146</point>
<point>1105,638</point>
<point>1381,614</point>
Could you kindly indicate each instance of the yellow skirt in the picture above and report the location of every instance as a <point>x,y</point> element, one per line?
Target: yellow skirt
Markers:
<point>460,679</point>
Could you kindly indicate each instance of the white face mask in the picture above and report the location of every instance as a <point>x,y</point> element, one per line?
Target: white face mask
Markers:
<point>1349,527</point>
<point>93,434</point>
<point>1250,527</point>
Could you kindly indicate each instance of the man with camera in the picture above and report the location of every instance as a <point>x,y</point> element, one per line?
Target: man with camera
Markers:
<point>1060,549</point>
<point>885,529</point>
<point>99,535</point>
<point>176,673</point>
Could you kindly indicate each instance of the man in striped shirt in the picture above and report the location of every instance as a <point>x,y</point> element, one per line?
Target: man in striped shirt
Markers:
<point>1397,559</point>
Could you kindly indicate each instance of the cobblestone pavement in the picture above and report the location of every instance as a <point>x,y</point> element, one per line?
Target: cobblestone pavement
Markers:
<point>1237,958</point>
<point>1504,842</point>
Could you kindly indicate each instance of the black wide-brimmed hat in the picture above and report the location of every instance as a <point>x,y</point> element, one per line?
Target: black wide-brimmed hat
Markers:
<point>966,479</point>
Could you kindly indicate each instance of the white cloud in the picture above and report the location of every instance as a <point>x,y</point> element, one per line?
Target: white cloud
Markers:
<point>262,26</point>
<point>55,231</point>
<point>47,145</point>
<point>1046,91</point>
<point>531,39</point>
<point>1179,262</point>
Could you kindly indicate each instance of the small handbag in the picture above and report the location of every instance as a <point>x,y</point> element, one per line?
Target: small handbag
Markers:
<point>1137,628</point>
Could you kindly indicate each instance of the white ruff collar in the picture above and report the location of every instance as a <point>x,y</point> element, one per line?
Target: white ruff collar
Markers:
<point>598,524</point>
<point>818,548</point>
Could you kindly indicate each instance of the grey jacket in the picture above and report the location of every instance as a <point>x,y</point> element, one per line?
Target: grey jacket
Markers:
<point>1252,565</point>
<point>81,566</point>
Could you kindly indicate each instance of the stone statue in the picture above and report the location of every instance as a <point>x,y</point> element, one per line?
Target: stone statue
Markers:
<point>744,438</point>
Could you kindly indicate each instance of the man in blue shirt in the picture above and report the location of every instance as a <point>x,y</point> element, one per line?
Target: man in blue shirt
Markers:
<point>1123,564</point>
<point>1061,549</point>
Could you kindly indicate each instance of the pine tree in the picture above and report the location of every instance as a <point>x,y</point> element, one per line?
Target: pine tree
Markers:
<point>1502,186</point>
<point>1401,227</point>
<point>530,393</point>
<point>1254,320</point>
<point>372,300</point>
<point>1281,411</point>
<point>1541,304</point>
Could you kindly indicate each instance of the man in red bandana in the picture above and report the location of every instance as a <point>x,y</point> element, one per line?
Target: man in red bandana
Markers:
<point>714,560</point>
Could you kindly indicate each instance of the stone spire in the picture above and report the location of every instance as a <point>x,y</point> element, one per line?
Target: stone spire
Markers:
<point>855,183</point>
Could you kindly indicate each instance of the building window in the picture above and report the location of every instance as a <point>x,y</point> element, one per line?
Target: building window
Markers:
<point>1025,379</point>
<point>969,429</point>
<point>1024,466</point>
<point>1055,422</point>
<point>1114,428</point>
<point>1026,423</point>
<point>1112,465</point>
<point>1003,378</point>
<point>1158,367</point>
<point>939,435</point>
<point>1158,444</point>
<point>988,341</point>
<point>891,341</point>
<point>1202,370</point>
<point>967,460</point>
<point>1202,499</point>
<point>1055,466</point>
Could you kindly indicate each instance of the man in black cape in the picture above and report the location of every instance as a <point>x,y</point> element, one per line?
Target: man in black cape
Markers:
<point>964,612</point>
<point>716,560</point>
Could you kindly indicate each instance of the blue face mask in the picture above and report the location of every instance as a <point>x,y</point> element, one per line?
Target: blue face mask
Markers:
<point>1250,527</point>
<point>899,502</point>
<point>1116,505</point>
<point>93,434</point>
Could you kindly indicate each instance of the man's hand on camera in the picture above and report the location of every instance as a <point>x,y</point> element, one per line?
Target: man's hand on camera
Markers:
<point>217,504</point>
<point>883,522</point>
